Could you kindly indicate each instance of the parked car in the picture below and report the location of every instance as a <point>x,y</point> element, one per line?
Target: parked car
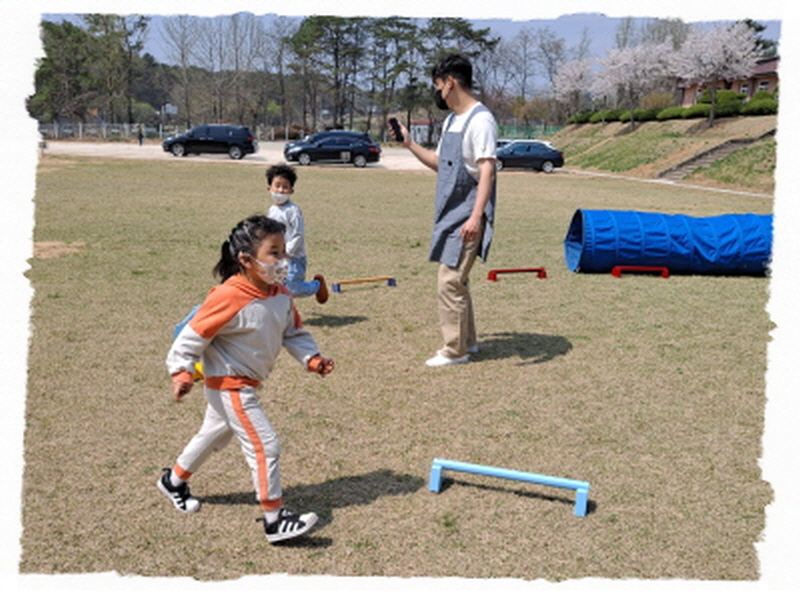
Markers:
<point>234,140</point>
<point>334,146</point>
<point>532,154</point>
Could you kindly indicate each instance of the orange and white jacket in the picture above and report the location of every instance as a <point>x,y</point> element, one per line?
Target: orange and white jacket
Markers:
<point>239,330</point>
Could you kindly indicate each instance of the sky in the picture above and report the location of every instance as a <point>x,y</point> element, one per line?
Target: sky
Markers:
<point>19,47</point>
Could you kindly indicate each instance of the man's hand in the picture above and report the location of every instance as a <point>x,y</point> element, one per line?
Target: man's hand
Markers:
<point>406,143</point>
<point>471,229</point>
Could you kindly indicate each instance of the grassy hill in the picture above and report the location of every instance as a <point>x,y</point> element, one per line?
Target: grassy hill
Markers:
<point>654,146</point>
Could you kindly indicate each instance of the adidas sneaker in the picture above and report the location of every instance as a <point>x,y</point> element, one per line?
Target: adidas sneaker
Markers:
<point>288,525</point>
<point>181,496</point>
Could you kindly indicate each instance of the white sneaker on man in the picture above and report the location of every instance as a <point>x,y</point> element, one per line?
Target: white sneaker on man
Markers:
<point>443,361</point>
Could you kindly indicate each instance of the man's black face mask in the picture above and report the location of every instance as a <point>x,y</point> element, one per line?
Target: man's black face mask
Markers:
<point>437,98</point>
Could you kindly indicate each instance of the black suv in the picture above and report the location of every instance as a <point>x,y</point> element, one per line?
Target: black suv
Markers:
<point>334,146</point>
<point>233,140</point>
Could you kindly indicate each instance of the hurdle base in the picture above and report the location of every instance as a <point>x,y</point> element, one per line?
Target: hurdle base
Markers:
<point>581,487</point>
<point>541,272</point>
<point>619,269</point>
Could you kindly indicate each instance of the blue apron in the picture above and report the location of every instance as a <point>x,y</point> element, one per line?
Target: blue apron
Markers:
<point>456,190</point>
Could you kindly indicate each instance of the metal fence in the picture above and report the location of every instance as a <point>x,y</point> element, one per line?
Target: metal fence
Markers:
<point>127,131</point>
<point>104,131</point>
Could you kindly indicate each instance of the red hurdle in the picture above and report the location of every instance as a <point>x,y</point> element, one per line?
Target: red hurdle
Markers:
<point>541,273</point>
<point>617,271</point>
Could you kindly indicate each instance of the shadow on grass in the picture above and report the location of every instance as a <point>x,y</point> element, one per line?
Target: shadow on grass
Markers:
<point>323,498</point>
<point>591,506</point>
<point>531,348</point>
<point>332,320</point>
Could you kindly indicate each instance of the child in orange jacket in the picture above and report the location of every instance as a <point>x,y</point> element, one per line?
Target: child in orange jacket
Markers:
<point>237,334</point>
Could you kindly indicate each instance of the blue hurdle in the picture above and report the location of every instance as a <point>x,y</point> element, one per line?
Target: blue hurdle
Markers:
<point>581,487</point>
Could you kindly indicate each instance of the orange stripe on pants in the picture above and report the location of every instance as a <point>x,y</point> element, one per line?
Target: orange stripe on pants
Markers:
<point>260,455</point>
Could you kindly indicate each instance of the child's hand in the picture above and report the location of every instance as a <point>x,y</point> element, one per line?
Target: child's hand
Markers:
<point>321,365</point>
<point>181,385</point>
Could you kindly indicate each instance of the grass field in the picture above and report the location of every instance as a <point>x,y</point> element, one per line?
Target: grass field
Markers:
<point>651,389</point>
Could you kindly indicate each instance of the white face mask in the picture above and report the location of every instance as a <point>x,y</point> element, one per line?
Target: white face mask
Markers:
<point>279,198</point>
<point>275,272</point>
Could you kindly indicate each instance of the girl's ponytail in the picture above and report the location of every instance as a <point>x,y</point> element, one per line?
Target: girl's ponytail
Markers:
<point>228,264</point>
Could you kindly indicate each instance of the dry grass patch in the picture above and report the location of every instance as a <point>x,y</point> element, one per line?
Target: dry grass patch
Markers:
<point>46,250</point>
<point>652,390</point>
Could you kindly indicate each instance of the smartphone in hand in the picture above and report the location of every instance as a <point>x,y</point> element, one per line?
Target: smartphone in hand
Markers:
<point>396,128</point>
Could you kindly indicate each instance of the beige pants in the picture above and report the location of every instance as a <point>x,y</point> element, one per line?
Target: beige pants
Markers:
<point>456,317</point>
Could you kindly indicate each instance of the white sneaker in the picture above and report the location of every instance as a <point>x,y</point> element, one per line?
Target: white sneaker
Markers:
<point>288,525</point>
<point>442,361</point>
<point>181,497</point>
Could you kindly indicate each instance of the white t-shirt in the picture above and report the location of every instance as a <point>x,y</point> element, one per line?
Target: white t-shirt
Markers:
<point>480,139</point>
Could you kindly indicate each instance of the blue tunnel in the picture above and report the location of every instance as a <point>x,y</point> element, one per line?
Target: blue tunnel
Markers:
<point>734,244</point>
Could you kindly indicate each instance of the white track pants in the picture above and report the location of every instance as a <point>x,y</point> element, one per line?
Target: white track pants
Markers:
<point>238,412</point>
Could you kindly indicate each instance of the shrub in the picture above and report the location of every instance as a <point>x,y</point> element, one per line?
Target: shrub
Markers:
<point>673,112</point>
<point>639,114</point>
<point>698,110</point>
<point>605,115</point>
<point>580,118</point>
<point>728,109</point>
<point>764,106</point>
<point>646,114</point>
<point>763,95</point>
<point>723,97</point>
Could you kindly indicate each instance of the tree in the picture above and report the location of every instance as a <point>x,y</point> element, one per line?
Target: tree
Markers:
<point>550,52</point>
<point>572,83</point>
<point>766,48</point>
<point>275,58</point>
<point>392,40</point>
<point>242,38</point>
<point>443,36</point>
<point>717,56</point>
<point>65,86</point>
<point>626,33</point>
<point>180,40</point>
<point>522,59</point>
<point>629,73</point>
<point>120,39</point>
<point>657,31</point>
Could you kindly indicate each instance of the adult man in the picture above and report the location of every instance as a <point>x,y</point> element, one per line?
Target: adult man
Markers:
<point>465,201</point>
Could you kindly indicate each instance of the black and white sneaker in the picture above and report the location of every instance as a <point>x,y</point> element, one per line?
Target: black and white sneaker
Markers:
<point>288,525</point>
<point>181,496</point>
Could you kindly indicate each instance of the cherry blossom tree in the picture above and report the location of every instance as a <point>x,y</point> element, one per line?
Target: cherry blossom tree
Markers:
<point>717,56</point>
<point>629,73</point>
<point>572,81</point>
